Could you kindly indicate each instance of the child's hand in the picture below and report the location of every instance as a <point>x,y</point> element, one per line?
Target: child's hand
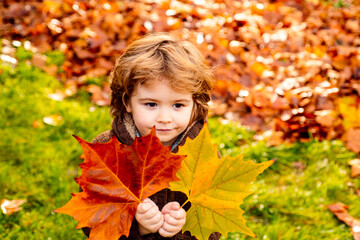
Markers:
<point>149,217</point>
<point>174,219</point>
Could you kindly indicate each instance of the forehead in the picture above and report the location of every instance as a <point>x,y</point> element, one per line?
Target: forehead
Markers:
<point>163,83</point>
<point>159,89</point>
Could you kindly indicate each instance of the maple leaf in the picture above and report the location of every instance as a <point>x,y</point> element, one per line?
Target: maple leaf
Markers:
<point>215,187</point>
<point>115,179</point>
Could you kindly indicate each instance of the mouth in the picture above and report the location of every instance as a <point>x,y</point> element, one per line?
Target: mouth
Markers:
<point>163,130</point>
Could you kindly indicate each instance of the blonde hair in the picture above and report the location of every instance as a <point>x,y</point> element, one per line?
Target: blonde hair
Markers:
<point>161,56</point>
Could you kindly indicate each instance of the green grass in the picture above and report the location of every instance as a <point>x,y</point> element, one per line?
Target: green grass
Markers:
<point>39,164</point>
<point>290,203</point>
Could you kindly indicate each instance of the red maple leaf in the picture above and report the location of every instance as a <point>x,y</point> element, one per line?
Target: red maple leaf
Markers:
<point>115,179</point>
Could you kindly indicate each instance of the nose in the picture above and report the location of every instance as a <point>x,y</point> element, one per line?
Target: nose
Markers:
<point>164,116</point>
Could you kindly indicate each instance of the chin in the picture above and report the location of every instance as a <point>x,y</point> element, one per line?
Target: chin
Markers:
<point>166,142</point>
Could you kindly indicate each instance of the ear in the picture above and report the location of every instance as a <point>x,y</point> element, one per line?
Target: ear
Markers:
<point>128,107</point>
<point>126,103</point>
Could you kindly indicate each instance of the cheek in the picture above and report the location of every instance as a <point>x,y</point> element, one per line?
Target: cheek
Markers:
<point>184,118</point>
<point>140,116</point>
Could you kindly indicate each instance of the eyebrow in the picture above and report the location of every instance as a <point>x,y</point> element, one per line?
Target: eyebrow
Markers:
<point>156,100</point>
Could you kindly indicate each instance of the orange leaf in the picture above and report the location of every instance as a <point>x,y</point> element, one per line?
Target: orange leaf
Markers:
<point>353,139</point>
<point>11,206</point>
<point>258,68</point>
<point>340,211</point>
<point>115,179</point>
<point>355,167</point>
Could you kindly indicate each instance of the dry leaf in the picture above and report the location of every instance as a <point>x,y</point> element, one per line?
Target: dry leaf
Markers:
<point>340,211</point>
<point>9,207</point>
<point>54,120</point>
<point>353,139</point>
<point>355,167</point>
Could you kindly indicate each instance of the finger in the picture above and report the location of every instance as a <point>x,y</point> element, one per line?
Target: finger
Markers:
<point>170,206</point>
<point>170,228</point>
<point>156,219</point>
<point>152,212</point>
<point>164,233</point>
<point>175,206</point>
<point>173,221</point>
<point>167,208</point>
<point>153,224</point>
<point>145,205</point>
<point>158,222</point>
<point>178,214</point>
<point>143,208</point>
<point>167,230</point>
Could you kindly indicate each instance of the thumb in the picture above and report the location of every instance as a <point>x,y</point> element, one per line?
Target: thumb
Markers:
<point>175,206</point>
<point>144,206</point>
<point>170,206</point>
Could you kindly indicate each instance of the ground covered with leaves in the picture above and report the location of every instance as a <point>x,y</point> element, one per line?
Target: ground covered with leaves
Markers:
<point>290,68</point>
<point>39,159</point>
<point>288,71</point>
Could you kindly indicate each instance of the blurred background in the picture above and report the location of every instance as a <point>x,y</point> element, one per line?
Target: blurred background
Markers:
<point>288,87</point>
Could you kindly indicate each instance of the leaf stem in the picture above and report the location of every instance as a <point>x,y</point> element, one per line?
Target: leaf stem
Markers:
<point>185,203</point>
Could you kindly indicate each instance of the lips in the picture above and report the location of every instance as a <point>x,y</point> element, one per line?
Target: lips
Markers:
<point>163,130</point>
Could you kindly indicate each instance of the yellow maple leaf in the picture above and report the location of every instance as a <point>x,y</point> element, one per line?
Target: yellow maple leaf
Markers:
<point>350,112</point>
<point>215,187</point>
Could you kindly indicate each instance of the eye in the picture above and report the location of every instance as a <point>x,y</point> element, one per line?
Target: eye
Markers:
<point>151,104</point>
<point>178,105</point>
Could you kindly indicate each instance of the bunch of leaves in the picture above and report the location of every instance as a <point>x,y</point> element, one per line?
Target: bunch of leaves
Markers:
<point>117,177</point>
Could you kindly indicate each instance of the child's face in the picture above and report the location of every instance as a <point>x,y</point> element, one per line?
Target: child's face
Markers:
<point>161,106</point>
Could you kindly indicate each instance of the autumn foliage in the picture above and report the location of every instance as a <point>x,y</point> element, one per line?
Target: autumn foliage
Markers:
<point>283,67</point>
<point>115,178</point>
<point>216,187</point>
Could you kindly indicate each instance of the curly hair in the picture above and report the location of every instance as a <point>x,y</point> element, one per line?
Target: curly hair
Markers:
<point>161,56</point>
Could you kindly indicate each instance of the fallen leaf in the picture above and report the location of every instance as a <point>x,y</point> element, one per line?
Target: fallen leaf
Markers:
<point>355,167</point>
<point>37,124</point>
<point>326,118</point>
<point>9,207</point>
<point>98,96</point>
<point>276,138</point>
<point>215,187</point>
<point>115,179</point>
<point>54,120</point>
<point>340,211</point>
<point>353,139</point>
<point>39,61</point>
<point>51,70</point>
<point>258,68</point>
<point>350,111</point>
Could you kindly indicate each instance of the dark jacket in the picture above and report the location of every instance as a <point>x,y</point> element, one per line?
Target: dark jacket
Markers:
<point>124,129</point>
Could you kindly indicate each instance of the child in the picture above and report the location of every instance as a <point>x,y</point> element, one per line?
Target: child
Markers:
<point>164,82</point>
